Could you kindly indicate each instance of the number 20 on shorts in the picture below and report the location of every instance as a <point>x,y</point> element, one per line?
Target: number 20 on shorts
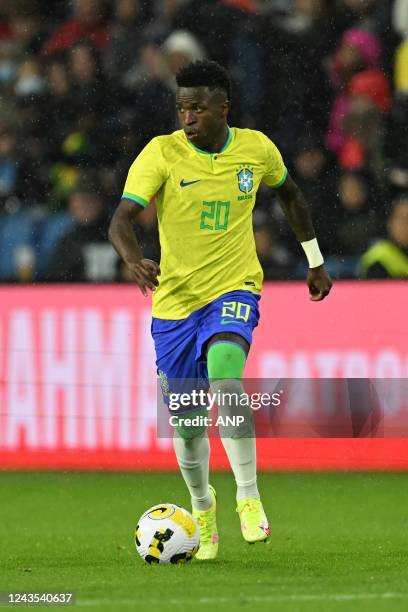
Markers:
<point>236,310</point>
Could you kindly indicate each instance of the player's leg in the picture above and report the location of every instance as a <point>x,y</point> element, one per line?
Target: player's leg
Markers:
<point>193,455</point>
<point>192,450</point>
<point>226,358</point>
<point>175,359</point>
<point>175,344</point>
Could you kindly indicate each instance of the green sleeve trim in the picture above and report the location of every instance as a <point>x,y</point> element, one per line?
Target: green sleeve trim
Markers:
<point>283,179</point>
<point>135,198</point>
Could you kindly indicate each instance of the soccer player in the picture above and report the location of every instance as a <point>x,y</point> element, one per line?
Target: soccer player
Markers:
<point>205,177</point>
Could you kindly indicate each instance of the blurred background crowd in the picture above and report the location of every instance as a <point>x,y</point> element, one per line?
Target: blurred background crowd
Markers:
<point>84,84</point>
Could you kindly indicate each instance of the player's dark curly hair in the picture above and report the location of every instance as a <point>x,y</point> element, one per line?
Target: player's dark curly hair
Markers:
<point>204,73</point>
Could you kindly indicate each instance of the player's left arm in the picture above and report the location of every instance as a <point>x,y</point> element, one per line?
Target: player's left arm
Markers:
<point>299,218</point>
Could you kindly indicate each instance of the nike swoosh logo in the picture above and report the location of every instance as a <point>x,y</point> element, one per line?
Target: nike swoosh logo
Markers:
<point>226,321</point>
<point>184,183</point>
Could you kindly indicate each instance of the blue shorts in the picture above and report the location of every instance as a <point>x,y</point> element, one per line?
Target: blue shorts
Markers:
<point>180,344</point>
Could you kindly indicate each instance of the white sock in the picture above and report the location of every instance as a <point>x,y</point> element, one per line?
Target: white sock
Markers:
<point>239,441</point>
<point>242,457</point>
<point>193,459</point>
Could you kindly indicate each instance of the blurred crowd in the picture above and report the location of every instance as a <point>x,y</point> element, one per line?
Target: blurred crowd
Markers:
<point>85,84</point>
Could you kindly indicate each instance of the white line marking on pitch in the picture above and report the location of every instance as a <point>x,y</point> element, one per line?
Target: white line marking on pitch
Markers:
<point>249,599</point>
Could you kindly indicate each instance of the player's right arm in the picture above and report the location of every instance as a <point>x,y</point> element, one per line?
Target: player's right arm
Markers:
<point>146,175</point>
<point>123,238</point>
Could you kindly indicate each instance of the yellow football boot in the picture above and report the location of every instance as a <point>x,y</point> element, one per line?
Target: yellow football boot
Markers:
<point>254,524</point>
<point>207,524</point>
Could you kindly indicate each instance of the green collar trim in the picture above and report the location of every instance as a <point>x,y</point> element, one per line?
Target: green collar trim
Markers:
<point>228,141</point>
<point>223,148</point>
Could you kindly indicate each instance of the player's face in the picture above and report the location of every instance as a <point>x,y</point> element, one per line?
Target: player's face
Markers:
<point>202,115</point>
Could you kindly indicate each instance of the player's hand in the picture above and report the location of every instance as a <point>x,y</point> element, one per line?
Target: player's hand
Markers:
<point>144,273</point>
<point>319,282</point>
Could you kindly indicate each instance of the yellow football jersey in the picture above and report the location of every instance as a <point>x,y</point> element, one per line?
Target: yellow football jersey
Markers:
<point>204,207</point>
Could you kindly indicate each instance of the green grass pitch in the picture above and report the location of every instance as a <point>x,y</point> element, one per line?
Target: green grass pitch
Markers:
<point>339,542</point>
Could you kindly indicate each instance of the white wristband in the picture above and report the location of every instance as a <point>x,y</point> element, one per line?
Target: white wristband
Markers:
<point>313,254</point>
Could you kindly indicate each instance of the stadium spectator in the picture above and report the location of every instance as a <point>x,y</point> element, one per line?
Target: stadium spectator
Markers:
<point>166,12</point>
<point>29,126</point>
<point>179,49</point>
<point>147,104</point>
<point>83,254</point>
<point>359,11</point>
<point>57,102</point>
<point>400,24</point>
<point>358,50</point>
<point>87,22</point>
<point>8,164</point>
<point>401,68</point>
<point>309,35</point>
<point>397,144</point>
<point>78,100</point>
<point>26,29</point>
<point>358,221</point>
<point>275,259</point>
<point>89,83</point>
<point>88,91</point>
<point>29,80</point>
<point>217,25</point>
<point>388,258</point>
<point>125,38</point>
<point>9,62</point>
<point>372,85</point>
<point>362,148</point>
<point>316,175</point>
<point>363,124</point>
<point>90,105</point>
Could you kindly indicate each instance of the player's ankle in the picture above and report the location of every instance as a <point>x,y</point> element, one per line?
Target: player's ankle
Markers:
<point>202,503</point>
<point>245,492</point>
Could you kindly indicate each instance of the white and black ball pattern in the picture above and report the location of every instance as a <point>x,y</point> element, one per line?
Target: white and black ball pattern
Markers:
<point>167,533</point>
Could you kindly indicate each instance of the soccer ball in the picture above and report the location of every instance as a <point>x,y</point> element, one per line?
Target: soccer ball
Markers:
<point>167,533</point>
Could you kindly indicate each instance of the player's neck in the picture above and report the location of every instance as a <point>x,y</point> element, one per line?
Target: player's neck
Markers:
<point>219,142</point>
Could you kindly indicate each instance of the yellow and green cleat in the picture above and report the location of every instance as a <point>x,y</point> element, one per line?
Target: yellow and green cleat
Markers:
<point>254,524</point>
<point>207,523</point>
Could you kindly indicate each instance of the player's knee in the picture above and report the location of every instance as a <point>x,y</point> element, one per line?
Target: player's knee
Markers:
<point>236,414</point>
<point>227,389</point>
<point>192,425</point>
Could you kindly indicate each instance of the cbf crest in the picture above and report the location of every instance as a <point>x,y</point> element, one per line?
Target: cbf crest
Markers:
<point>245,178</point>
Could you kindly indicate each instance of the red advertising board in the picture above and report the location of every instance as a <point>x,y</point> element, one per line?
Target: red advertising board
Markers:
<point>78,380</point>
